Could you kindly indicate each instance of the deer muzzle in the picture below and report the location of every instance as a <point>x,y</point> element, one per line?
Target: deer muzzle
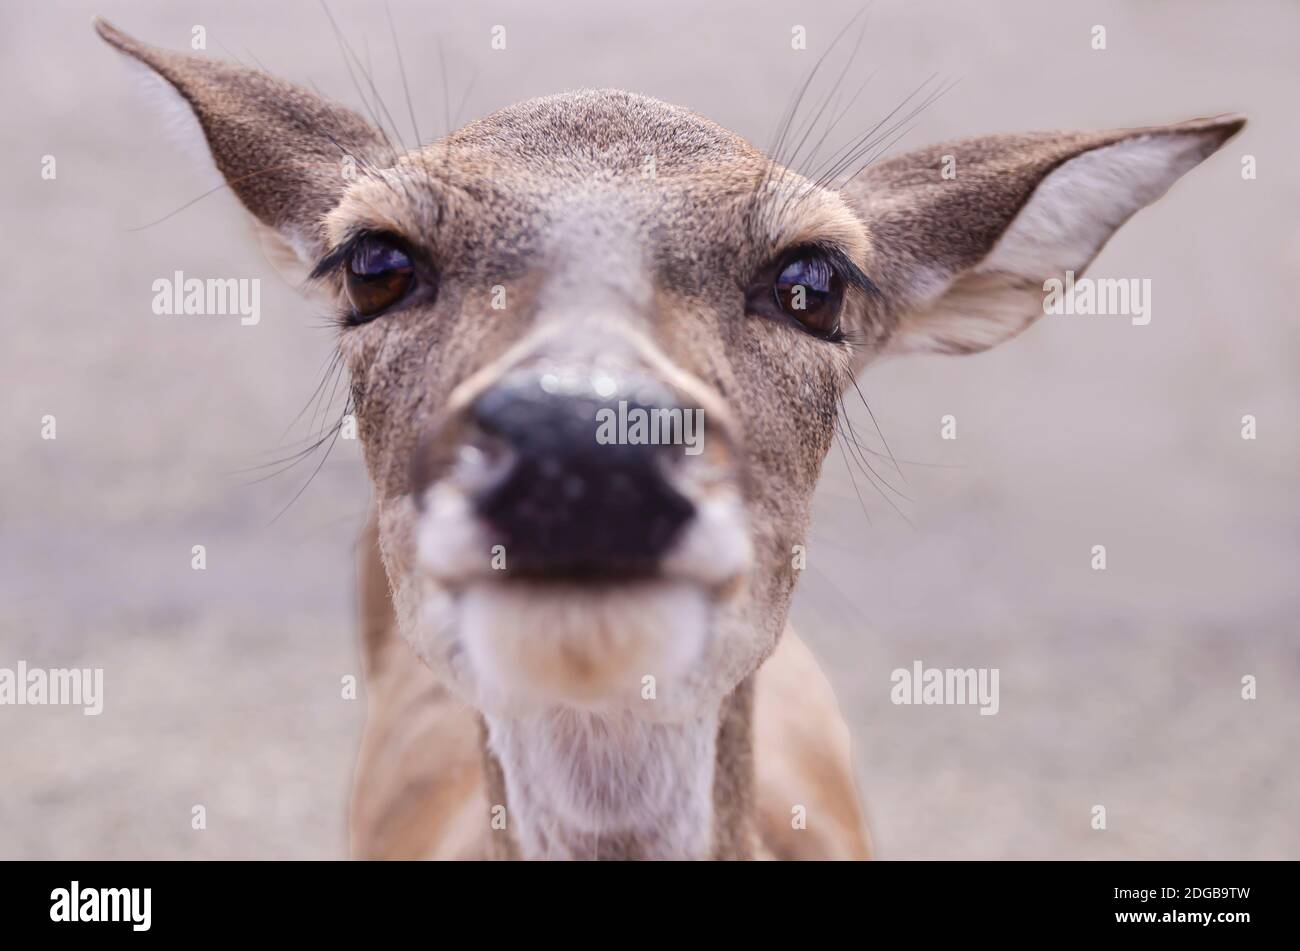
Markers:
<point>582,466</point>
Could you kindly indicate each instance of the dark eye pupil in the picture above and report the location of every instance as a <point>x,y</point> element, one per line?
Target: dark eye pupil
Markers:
<point>379,275</point>
<point>808,289</point>
<point>372,259</point>
<point>814,275</point>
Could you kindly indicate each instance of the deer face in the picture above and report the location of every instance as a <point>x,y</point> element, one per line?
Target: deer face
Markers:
<point>597,345</point>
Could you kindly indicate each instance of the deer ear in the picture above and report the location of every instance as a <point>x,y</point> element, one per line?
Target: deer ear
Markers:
<point>285,152</point>
<point>965,234</point>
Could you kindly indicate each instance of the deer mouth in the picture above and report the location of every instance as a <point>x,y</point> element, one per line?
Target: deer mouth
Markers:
<point>574,635</point>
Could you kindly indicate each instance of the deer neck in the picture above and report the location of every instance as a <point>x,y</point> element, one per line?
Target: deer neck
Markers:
<point>580,786</point>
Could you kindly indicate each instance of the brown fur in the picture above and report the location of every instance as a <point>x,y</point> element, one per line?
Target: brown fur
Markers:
<point>548,199</point>
<point>424,783</point>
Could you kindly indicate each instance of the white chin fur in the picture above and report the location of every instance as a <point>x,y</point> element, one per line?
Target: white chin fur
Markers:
<point>533,646</point>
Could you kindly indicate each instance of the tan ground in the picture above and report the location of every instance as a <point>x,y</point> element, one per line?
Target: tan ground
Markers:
<point>1118,688</point>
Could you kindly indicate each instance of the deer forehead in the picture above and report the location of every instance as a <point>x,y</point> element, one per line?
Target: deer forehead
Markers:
<point>596,175</point>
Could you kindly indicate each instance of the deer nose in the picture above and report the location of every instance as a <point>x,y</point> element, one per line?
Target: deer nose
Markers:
<point>575,496</point>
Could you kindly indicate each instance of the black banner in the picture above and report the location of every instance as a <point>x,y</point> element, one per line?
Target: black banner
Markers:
<point>86,901</point>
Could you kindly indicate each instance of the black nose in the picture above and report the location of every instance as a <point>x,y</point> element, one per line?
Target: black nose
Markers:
<point>569,502</point>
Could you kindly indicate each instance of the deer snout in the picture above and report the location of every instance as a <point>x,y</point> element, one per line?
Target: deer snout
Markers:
<point>583,469</point>
<point>585,518</point>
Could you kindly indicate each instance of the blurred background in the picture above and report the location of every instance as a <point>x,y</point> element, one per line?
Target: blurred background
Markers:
<point>222,687</point>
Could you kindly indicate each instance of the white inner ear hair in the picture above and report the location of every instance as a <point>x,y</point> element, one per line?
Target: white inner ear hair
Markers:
<point>1079,206</point>
<point>180,126</point>
<point>1067,219</point>
<point>287,252</point>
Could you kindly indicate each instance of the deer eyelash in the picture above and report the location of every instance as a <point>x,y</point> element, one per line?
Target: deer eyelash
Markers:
<point>849,272</point>
<point>855,277</point>
<point>336,257</point>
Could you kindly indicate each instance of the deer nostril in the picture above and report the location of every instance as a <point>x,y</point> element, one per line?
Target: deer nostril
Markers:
<point>566,503</point>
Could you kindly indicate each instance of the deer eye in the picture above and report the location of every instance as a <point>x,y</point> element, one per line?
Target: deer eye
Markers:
<point>379,274</point>
<point>808,289</point>
<point>802,285</point>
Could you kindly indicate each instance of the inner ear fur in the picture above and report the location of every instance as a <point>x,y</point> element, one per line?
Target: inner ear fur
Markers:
<point>281,148</point>
<point>964,257</point>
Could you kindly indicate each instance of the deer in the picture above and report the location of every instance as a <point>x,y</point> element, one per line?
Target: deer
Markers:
<point>625,684</point>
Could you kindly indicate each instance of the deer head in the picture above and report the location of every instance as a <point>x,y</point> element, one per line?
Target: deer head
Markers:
<point>513,298</point>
